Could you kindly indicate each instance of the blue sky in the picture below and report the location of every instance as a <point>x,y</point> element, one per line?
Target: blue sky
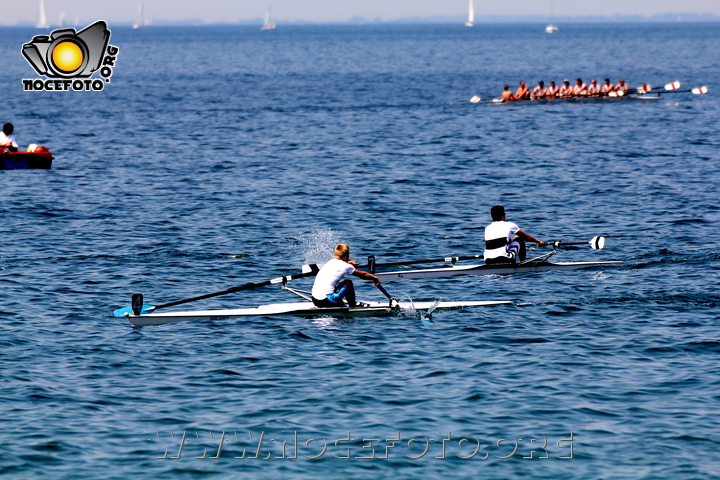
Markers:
<point>212,11</point>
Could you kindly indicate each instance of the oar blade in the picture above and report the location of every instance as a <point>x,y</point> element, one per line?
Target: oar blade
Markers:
<point>699,90</point>
<point>597,243</point>
<point>475,99</point>
<point>672,86</point>
<point>120,312</point>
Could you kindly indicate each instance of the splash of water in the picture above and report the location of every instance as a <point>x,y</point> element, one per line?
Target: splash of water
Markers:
<point>407,309</point>
<point>317,246</point>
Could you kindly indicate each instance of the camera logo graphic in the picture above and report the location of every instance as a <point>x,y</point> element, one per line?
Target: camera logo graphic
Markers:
<point>65,55</point>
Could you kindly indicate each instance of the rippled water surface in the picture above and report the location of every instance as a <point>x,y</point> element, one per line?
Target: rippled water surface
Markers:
<point>223,155</point>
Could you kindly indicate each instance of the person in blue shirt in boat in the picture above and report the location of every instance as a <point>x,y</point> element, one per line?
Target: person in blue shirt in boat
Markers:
<point>329,288</point>
<point>504,241</point>
<point>7,139</point>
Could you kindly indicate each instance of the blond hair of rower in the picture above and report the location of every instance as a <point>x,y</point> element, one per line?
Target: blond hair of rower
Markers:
<point>621,86</point>
<point>329,288</point>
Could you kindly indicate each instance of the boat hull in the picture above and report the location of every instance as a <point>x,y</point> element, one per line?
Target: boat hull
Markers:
<point>299,309</point>
<point>491,269</point>
<point>26,160</point>
<point>648,97</point>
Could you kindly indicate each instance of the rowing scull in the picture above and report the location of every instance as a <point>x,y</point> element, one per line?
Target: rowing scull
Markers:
<point>527,267</point>
<point>301,309</point>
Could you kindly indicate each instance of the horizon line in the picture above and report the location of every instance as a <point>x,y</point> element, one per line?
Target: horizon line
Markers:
<point>434,20</point>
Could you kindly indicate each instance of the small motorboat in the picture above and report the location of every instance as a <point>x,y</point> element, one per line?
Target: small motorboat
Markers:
<point>35,157</point>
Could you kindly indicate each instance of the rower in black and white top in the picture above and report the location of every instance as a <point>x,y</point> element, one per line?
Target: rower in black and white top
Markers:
<point>504,241</point>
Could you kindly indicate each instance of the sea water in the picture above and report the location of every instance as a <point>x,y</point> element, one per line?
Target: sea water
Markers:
<point>218,156</point>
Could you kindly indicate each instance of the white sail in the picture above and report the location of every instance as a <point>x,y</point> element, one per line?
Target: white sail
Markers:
<point>551,28</point>
<point>42,21</point>
<point>141,18</point>
<point>471,15</point>
<point>269,22</point>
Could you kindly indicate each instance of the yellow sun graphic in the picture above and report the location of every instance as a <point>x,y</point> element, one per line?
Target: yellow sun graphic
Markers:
<point>67,56</point>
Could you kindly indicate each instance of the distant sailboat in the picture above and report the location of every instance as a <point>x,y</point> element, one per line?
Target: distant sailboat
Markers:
<point>141,18</point>
<point>471,15</point>
<point>551,28</point>
<point>42,21</point>
<point>269,22</point>
<point>61,22</point>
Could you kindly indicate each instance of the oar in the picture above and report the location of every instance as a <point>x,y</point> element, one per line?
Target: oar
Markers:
<point>138,308</point>
<point>477,99</point>
<point>393,301</point>
<point>672,88</point>
<point>695,91</point>
<point>371,265</point>
<point>596,243</point>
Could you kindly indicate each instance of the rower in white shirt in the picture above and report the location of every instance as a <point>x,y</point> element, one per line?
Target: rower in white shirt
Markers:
<point>607,87</point>
<point>565,89</point>
<point>7,139</point>
<point>551,91</point>
<point>594,88</point>
<point>504,241</point>
<point>580,88</point>
<point>538,91</point>
<point>329,288</point>
<point>622,86</point>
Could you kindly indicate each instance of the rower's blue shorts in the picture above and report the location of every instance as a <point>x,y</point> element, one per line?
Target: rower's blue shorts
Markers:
<point>339,295</point>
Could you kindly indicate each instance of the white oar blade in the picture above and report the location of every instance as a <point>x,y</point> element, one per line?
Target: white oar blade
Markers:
<point>597,243</point>
<point>672,86</point>
<point>644,88</point>
<point>475,99</point>
<point>699,90</point>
